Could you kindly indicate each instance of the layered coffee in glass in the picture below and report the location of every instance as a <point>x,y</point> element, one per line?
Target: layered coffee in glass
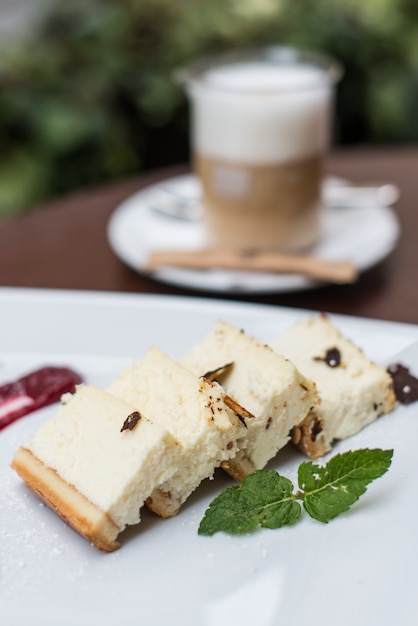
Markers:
<point>260,129</point>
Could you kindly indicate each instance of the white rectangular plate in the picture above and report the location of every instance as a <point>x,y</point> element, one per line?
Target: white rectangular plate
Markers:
<point>358,569</point>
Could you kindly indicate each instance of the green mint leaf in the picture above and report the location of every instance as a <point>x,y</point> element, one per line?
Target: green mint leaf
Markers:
<point>333,488</point>
<point>263,499</point>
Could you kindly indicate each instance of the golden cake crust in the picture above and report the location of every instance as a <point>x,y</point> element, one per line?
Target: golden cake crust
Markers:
<point>164,502</point>
<point>239,469</point>
<point>74,508</point>
<point>308,436</point>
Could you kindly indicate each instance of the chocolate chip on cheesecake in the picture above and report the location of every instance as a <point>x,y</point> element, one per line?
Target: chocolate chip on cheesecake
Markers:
<point>332,357</point>
<point>404,383</point>
<point>131,421</point>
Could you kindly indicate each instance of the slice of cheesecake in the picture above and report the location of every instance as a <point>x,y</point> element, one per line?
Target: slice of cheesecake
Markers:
<point>96,462</point>
<point>266,384</point>
<point>354,391</point>
<point>208,425</point>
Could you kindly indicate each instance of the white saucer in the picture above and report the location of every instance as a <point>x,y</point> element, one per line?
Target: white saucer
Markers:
<point>363,235</point>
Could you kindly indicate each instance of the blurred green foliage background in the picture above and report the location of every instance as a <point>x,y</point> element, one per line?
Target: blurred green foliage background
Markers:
<point>90,96</point>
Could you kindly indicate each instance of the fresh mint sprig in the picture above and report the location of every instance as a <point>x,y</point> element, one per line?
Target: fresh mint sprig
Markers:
<point>266,499</point>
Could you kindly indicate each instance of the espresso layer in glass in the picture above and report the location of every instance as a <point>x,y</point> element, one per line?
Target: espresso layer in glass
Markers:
<point>274,205</point>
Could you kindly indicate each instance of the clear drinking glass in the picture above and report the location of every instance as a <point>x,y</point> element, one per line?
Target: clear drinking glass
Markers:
<point>260,128</point>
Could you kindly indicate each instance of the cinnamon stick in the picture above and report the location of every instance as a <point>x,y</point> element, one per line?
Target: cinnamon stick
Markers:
<point>257,261</point>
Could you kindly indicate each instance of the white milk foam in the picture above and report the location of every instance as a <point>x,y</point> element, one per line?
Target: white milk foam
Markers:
<point>261,114</point>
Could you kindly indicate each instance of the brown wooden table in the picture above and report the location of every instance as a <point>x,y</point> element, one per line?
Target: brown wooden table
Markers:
<point>63,245</point>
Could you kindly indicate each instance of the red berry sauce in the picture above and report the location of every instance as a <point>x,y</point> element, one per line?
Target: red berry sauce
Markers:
<point>34,391</point>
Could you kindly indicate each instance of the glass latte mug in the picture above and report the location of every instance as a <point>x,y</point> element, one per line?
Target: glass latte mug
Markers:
<point>260,128</point>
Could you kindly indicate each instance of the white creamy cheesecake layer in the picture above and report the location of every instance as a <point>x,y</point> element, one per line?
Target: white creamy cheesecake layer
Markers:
<point>191,409</point>
<point>114,470</point>
<point>266,384</point>
<point>354,391</point>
